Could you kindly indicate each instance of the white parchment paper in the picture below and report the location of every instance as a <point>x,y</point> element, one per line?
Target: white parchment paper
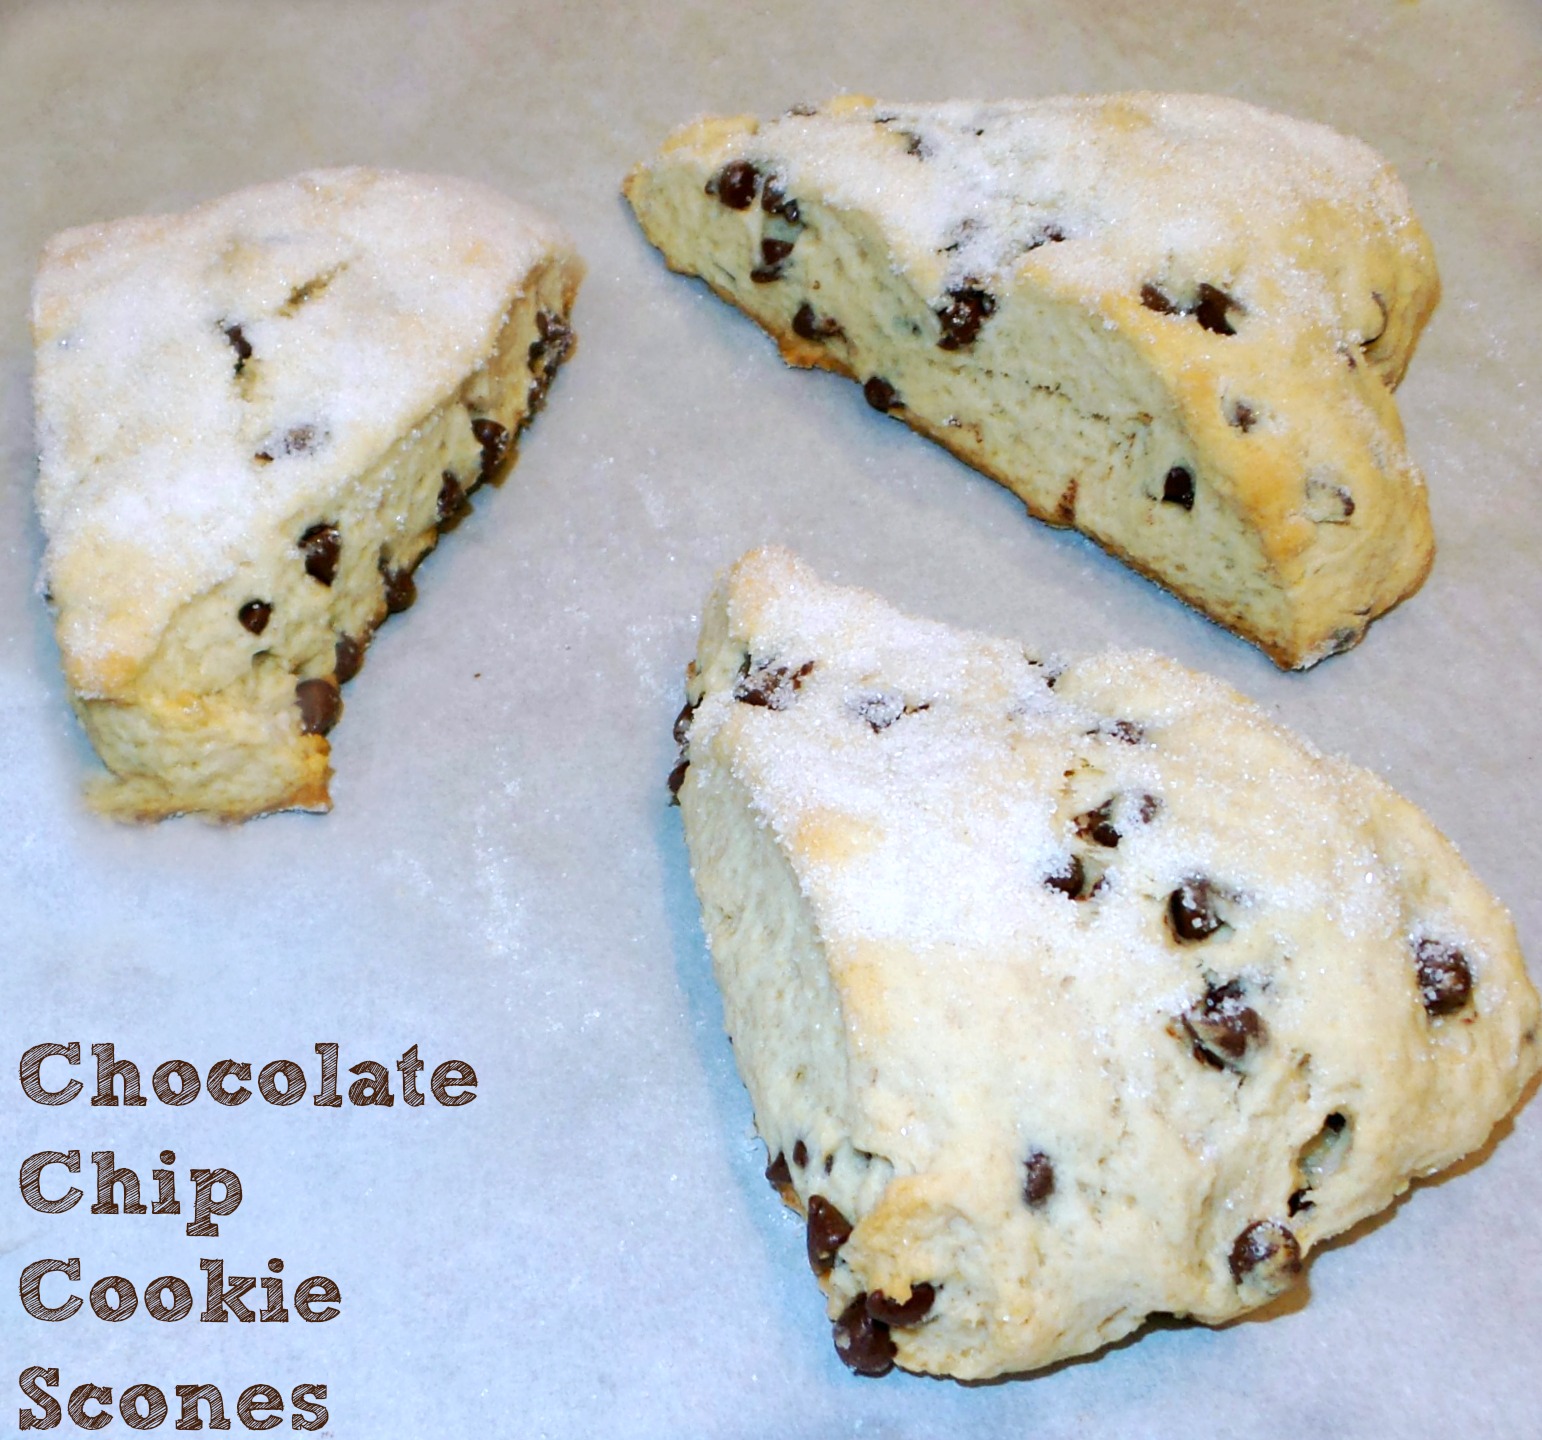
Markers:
<point>589,1249</point>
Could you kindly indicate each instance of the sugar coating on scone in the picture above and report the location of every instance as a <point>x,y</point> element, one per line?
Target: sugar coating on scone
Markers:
<point>254,419</point>
<point>1171,321</point>
<point>1067,994</point>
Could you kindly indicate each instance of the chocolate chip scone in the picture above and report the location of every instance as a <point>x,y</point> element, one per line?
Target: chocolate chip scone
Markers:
<point>1173,322</point>
<point>1067,995</point>
<point>254,421</point>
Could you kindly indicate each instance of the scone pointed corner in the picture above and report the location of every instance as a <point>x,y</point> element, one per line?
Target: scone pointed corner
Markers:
<point>1111,306</point>
<point>1070,994</point>
<point>255,419</point>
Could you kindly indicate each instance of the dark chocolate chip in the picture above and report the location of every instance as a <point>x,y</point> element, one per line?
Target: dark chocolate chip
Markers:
<point>1211,308</point>
<point>254,615</point>
<point>1098,825</point>
<point>828,1230</point>
<point>778,1173</point>
<point>800,1154</point>
<point>735,184</point>
<point>1068,877</point>
<point>900,1313</point>
<point>1038,1178</point>
<point>1445,977</point>
<point>862,1342</point>
<point>320,706</point>
<point>1191,910</point>
<point>682,729</point>
<point>400,588</point>
<point>1126,732</point>
<point>814,327</point>
<point>1224,1027</point>
<point>494,440</point>
<point>775,202</point>
<point>880,394</point>
<point>322,547</point>
<point>774,251</point>
<point>1243,416</point>
<point>1154,299</point>
<point>772,686</point>
<point>1269,1247</point>
<point>1298,1202</point>
<point>551,349</point>
<point>347,658</point>
<point>240,344</point>
<point>1178,488</point>
<point>966,311</point>
<point>879,710</point>
<point>453,504</point>
<point>677,779</point>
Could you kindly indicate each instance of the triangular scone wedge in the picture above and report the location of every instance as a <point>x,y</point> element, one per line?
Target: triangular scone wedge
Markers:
<point>1067,995</point>
<point>1170,321</point>
<point>254,420</point>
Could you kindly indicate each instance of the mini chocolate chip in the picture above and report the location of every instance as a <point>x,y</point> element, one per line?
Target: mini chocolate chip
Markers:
<point>1098,825</point>
<point>254,615</point>
<point>1038,1178</point>
<point>1154,299</point>
<point>1222,1027</point>
<point>240,344</point>
<point>1126,732</point>
<point>400,588</point>
<point>966,311</point>
<point>828,1230</point>
<point>320,706</point>
<point>915,144</point>
<point>551,349</point>
<point>735,184</point>
<point>1178,488</point>
<point>348,658</point>
<point>772,686</point>
<point>1211,307</point>
<point>453,505</point>
<point>880,394</point>
<point>1269,1247</point>
<point>322,546</point>
<point>1243,416</point>
<point>1147,808</point>
<point>682,729</point>
<point>900,1313</point>
<point>1335,1122</point>
<point>1068,877</point>
<point>774,251</point>
<point>778,1173</point>
<point>879,710</point>
<point>800,1154</point>
<point>862,1342</point>
<point>494,440</point>
<point>829,1163</point>
<point>1298,1202</point>
<point>775,202</point>
<point>1445,977</point>
<point>1191,912</point>
<point>814,327</point>
<point>677,779</point>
